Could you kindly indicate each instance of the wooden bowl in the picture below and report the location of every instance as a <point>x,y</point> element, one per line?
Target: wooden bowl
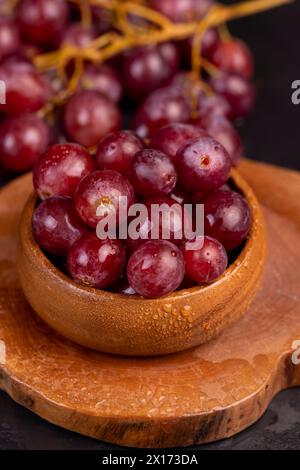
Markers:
<point>132,325</point>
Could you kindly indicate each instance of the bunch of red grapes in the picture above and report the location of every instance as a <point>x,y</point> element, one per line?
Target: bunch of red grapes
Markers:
<point>181,146</point>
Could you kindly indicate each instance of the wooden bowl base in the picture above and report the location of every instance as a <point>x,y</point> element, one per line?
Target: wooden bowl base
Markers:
<point>204,394</point>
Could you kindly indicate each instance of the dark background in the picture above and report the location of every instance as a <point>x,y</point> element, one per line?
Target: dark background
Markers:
<point>270,134</point>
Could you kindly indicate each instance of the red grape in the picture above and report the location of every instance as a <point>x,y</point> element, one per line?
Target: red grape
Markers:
<point>89,116</point>
<point>146,68</point>
<point>116,150</point>
<point>205,259</point>
<point>26,88</point>
<point>224,132</point>
<point>152,173</point>
<point>156,268</point>
<point>233,56</point>
<point>203,165</point>
<point>59,170</point>
<point>212,105</point>
<point>104,79</point>
<point>171,137</point>
<point>102,188</point>
<point>56,225</point>
<point>163,106</point>
<point>42,21</point>
<point>239,93</point>
<point>9,37</point>
<point>96,263</point>
<point>22,140</point>
<point>181,11</point>
<point>227,217</point>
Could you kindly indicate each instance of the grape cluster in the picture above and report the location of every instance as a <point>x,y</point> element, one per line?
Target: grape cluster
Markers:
<point>152,81</point>
<point>72,185</point>
<point>180,147</point>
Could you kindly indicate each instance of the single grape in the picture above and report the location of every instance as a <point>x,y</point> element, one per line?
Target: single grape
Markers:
<point>152,173</point>
<point>163,106</point>
<point>222,130</point>
<point>147,68</point>
<point>42,21</point>
<point>96,263</point>
<point>9,37</point>
<point>155,269</point>
<point>212,105</point>
<point>56,225</point>
<point>116,150</point>
<point>171,137</point>
<point>26,88</point>
<point>22,140</point>
<point>102,189</point>
<point>182,11</point>
<point>104,79</point>
<point>205,259</point>
<point>227,217</point>
<point>59,170</point>
<point>203,165</point>
<point>233,56</point>
<point>89,116</point>
<point>239,93</point>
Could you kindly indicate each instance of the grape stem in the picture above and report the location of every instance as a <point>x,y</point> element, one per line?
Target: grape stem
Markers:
<point>157,29</point>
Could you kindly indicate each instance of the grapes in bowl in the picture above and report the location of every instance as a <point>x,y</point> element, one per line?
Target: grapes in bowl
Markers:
<point>140,292</point>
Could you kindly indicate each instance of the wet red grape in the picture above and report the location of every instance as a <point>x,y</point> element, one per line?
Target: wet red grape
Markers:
<point>59,170</point>
<point>227,217</point>
<point>155,269</point>
<point>152,173</point>
<point>96,263</point>
<point>171,137</point>
<point>56,225</point>
<point>203,165</point>
<point>205,259</point>
<point>116,150</point>
<point>102,189</point>
<point>222,130</point>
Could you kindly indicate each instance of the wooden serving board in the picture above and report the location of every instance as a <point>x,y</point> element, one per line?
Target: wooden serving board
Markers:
<point>208,393</point>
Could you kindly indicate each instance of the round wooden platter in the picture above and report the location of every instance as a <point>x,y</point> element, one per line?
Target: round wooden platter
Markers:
<point>204,394</point>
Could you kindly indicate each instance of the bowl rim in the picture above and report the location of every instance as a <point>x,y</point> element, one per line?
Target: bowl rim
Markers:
<point>42,259</point>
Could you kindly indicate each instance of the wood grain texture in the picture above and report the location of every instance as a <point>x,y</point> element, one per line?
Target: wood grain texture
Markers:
<point>207,393</point>
<point>132,325</point>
